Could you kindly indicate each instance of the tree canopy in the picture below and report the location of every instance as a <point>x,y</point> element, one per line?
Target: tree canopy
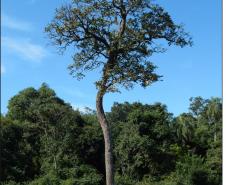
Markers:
<point>117,35</point>
<point>62,146</point>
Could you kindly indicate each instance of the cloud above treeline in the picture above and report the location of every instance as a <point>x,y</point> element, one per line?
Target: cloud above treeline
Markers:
<point>83,108</point>
<point>24,48</point>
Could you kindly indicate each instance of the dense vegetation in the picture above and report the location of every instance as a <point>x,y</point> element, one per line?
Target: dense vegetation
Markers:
<point>45,142</point>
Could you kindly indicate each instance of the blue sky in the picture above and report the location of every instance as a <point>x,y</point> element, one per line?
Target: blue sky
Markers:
<point>27,59</point>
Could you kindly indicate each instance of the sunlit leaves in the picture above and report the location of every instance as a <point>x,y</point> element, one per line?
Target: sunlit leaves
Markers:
<point>123,33</point>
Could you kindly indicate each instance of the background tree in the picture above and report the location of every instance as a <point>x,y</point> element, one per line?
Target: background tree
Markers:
<point>117,36</point>
<point>58,145</point>
<point>45,141</point>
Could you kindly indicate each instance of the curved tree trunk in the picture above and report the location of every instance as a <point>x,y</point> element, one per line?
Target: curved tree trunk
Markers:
<point>107,139</point>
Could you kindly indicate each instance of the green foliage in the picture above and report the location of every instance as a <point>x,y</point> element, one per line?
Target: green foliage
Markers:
<point>132,152</point>
<point>123,180</point>
<point>189,170</point>
<point>19,105</point>
<point>142,140</point>
<point>46,142</point>
<point>80,175</point>
<point>49,179</point>
<point>12,183</point>
<point>118,36</point>
<point>26,106</point>
<point>214,162</point>
<point>20,154</point>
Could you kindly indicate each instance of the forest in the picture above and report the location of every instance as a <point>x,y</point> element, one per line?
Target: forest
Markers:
<point>44,141</point>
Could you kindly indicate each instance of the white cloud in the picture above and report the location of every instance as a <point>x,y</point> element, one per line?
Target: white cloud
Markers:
<point>2,69</point>
<point>24,48</point>
<point>12,23</point>
<point>81,107</point>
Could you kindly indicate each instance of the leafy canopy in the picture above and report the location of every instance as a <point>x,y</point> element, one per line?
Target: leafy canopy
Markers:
<point>45,141</point>
<point>118,35</point>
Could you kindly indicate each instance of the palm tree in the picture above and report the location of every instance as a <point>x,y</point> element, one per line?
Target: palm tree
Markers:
<point>214,113</point>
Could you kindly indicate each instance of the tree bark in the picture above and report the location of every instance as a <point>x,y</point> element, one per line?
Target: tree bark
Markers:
<point>107,138</point>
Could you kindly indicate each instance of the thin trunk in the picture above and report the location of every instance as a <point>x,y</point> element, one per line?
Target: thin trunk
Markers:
<point>215,132</point>
<point>107,139</point>
<point>55,162</point>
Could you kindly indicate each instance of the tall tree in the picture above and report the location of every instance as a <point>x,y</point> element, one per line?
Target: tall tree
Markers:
<point>214,114</point>
<point>117,36</point>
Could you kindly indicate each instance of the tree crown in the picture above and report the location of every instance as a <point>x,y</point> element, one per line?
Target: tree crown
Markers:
<point>117,35</point>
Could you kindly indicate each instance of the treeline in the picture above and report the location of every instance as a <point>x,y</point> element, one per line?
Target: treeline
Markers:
<point>45,142</point>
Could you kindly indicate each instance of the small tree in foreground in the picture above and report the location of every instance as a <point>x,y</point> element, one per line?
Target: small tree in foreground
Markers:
<point>116,36</point>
